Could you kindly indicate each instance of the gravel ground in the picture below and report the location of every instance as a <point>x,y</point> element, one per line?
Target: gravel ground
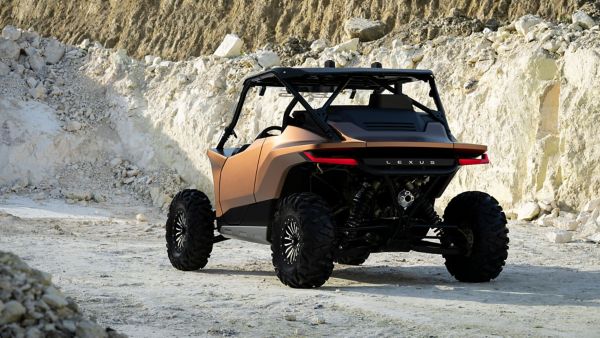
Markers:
<point>117,270</point>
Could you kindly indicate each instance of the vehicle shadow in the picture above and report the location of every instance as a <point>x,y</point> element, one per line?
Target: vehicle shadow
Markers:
<point>520,284</point>
<point>231,272</point>
<point>517,284</point>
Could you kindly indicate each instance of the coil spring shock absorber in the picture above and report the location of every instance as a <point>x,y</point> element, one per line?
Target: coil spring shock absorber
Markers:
<point>429,214</point>
<point>426,213</point>
<point>360,204</point>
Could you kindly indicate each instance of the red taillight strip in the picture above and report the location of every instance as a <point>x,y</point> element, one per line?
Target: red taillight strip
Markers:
<point>330,160</point>
<point>469,161</point>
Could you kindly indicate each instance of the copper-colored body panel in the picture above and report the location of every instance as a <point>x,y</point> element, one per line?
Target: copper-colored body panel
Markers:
<point>279,154</point>
<point>458,147</point>
<point>237,177</point>
<point>470,148</point>
<point>259,172</point>
<point>403,144</point>
<point>216,163</point>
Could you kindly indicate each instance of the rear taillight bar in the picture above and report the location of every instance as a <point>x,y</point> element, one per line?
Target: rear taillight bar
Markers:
<point>330,160</point>
<point>470,161</point>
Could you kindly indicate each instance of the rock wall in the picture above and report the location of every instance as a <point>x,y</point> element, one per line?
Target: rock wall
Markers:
<point>178,29</point>
<point>528,90</point>
<point>535,108</point>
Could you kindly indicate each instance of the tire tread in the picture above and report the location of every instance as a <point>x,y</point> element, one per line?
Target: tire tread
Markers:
<point>490,247</point>
<point>316,258</point>
<point>200,222</point>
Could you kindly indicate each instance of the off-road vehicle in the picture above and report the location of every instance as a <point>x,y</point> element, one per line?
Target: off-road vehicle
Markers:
<point>337,182</point>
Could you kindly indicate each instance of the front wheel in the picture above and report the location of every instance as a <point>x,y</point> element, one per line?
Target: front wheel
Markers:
<point>190,230</point>
<point>302,241</point>
<point>482,236</point>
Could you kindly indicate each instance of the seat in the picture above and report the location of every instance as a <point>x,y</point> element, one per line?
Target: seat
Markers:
<point>395,101</point>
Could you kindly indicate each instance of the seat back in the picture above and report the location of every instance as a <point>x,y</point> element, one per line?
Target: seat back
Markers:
<point>396,101</point>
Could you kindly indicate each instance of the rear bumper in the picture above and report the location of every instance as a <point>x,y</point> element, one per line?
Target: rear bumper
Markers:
<point>424,171</point>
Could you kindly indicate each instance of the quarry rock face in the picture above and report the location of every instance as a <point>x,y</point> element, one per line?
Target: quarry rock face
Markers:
<point>179,30</point>
<point>536,109</point>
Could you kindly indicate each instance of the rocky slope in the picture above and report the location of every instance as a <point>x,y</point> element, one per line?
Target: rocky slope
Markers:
<point>31,306</point>
<point>177,29</point>
<point>527,90</point>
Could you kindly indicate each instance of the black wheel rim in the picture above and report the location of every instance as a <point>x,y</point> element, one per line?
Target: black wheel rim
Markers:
<point>292,240</point>
<point>461,238</point>
<point>180,231</point>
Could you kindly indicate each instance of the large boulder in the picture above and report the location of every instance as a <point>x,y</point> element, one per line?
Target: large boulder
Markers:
<point>528,211</point>
<point>4,69</point>
<point>364,29</point>
<point>583,20</point>
<point>319,45</point>
<point>590,228</point>
<point>348,46</point>
<point>38,92</point>
<point>12,312</point>
<point>37,63</point>
<point>11,33</point>
<point>564,223</point>
<point>54,51</point>
<point>525,23</point>
<point>54,298</point>
<point>591,205</point>
<point>9,49</point>
<point>267,59</point>
<point>559,236</point>
<point>230,47</point>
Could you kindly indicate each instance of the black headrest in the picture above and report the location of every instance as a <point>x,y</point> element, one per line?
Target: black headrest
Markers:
<point>397,101</point>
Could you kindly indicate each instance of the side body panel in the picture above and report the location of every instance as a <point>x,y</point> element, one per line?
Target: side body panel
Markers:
<point>281,153</point>
<point>236,185</point>
<point>217,161</point>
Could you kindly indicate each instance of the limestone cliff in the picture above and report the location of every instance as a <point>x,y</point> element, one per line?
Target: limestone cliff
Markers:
<point>532,102</point>
<point>178,29</point>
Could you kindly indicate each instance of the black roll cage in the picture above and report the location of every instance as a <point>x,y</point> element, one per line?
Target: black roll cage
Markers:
<point>335,80</point>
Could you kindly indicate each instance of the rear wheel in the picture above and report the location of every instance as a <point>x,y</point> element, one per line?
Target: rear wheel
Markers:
<point>482,235</point>
<point>302,241</point>
<point>190,230</point>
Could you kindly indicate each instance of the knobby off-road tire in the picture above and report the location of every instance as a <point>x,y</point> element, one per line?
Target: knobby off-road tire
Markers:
<point>302,241</point>
<point>190,226</point>
<point>479,214</point>
<point>356,258</point>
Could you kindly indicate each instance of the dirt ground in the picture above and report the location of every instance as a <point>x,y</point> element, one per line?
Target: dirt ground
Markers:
<point>117,270</point>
